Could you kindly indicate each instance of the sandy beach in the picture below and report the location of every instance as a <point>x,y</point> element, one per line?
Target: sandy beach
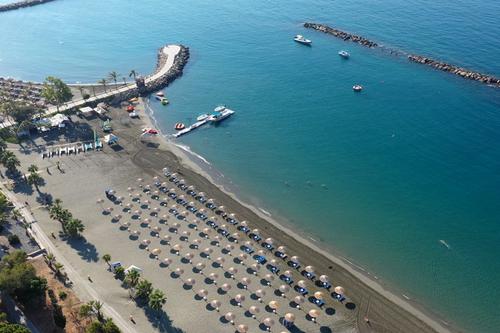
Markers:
<point>82,181</point>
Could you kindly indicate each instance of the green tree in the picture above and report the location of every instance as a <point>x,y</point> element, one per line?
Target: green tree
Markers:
<point>12,328</point>
<point>107,259</point>
<point>96,309</point>
<point>133,73</point>
<point>113,76</point>
<point>120,273</point>
<point>143,289</point>
<point>57,268</point>
<point>103,82</point>
<point>124,81</point>
<point>19,111</point>
<point>132,278</point>
<point>73,227</point>
<point>50,259</point>
<point>107,327</point>
<point>156,299</point>
<point>85,311</point>
<point>34,177</point>
<point>3,145</point>
<point>55,91</point>
<point>10,161</point>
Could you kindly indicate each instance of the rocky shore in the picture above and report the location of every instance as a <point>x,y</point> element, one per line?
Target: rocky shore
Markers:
<point>22,4</point>
<point>462,72</point>
<point>465,73</point>
<point>341,34</point>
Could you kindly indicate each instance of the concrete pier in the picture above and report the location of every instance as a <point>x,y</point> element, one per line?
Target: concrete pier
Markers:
<point>22,4</point>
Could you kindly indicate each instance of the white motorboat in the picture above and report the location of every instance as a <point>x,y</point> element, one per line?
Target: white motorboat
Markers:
<point>302,40</point>
<point>202,117</point>
<point>344,54</point>
<point>221,113</point>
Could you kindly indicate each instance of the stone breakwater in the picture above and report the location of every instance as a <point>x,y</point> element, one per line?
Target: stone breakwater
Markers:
<point>22,4</point>
<point>465,73</point>
<point>341,34</point>
<point>462,72</point>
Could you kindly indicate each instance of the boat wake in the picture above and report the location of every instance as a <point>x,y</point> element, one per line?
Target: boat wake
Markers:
<point>443,242</point>
<point>187,149</point>
<point>264,211</point>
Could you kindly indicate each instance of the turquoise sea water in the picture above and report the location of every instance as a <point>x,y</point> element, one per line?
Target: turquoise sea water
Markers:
<point>384,174</point>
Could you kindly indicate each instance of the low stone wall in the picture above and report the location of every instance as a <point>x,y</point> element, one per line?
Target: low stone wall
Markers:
<point>22,4</point>
<point>462,72</point>
<point>341,34</point>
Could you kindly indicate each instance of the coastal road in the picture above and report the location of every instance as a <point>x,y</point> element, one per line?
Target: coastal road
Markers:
<point>81,285</point>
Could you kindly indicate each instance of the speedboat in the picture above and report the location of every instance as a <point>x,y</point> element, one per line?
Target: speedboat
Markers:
<point>344,54</point>
<point>221,113</point>
<point>179,126</point>
<point>202,117</point>
<point>160,93</point>
<point>302,40</point>
<point>357,88</point>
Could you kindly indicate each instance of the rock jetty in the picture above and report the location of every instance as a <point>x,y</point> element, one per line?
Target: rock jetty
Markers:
<point>22,4</point>
<point>465,73</point>
<point>462,72</point>
<point>341,34</point>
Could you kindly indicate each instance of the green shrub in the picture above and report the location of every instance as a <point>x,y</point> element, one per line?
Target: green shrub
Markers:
<point>14,240</point>
<point>120,273</point>
<point>62,295</point>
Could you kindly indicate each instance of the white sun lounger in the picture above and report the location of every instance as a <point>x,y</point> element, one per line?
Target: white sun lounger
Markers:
<point>63,151</point>
<point>79,148</point>
<point>71,150</point>
<point>88,146</point>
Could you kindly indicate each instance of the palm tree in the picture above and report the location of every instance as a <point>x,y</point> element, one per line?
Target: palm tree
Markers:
<point>57,267</point>
<point>107,259</point>
<point>113,76</point>
<point>124,81</point>
<point>16,214</point>
<point>103,82</point>
<point>93,90</point>
<point>10,161</point>
<point>73,227</point>
<point>133,74</point>
<point>80,88</point>
<point>132,278</point>
<point>3,145</point>
<point>34,178</point>
<point>143,289</point>
<point>96,308</point>
<point>157,299</point>
<point>32,168</point>
<point>50,259</point>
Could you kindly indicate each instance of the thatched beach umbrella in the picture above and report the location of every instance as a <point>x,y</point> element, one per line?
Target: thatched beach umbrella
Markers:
<point>125,224</point>
<point>167,238</point>
<point>287,273</point>
<point>289,317</point>
<point>284,288</point>
<point>254,310</point>
<point>229,317</point>
<point>146,242</point>
<point>202,293</point>
<point>130,189</point>
<point>135,233</point>
<point>179,271</point>
<point>314,313</point>
<point>245,281</point>
<point>268,322</point>
<point>200,266</point>
<point>339,290</point>
<point>274,305</point>
<point>208,251</point>
<point>242,328</point>
<point>281,249</point>
<point>269,277</point>
<point>226,287</point>
<point>117,217</point>
<point>301,283</point>
<point>220,260</point>
<point>260,293</point>
<point>242,256</point>
<point>190,282</point>
<point>324,278</point>
<point>269,241</point>
<point>177,248</point>
<point>189,256</point>
<point>213,276</point>
<point>156,229</point>
<point>215,304</point>
<point>318,295</point>
<point>239,298</point>
<point>100,201</point>
<point>167,261</point>
<point>232,270</point>
<point>299,300</point>
<point>309,269</point>
<point>295,259</point>
<point>229,247</point>
<point>156,252</point>
<point>242,223</point>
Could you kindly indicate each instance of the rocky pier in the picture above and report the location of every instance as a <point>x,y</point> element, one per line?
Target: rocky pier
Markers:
<point>442,66</point>
<point>341,34</point>
<point>22,4</point>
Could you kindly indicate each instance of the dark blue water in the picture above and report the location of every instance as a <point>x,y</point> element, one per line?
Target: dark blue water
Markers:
<point>380,176</point>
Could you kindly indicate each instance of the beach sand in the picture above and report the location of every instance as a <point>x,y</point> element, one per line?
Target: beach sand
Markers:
<point>83,181</point>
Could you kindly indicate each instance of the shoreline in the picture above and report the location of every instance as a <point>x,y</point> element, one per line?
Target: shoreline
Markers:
<point>413,307</point>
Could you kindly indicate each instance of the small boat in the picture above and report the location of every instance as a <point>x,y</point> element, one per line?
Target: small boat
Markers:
<point>179,126</point>
<point>130,108</point>
<point>202,117</point>
<point>344,54</point>
<point>160,94</point>
<point>221,113</point>
<point>164,101</point>
<point>133,100</point>
<point>302,40</point>
<point>357,87</point>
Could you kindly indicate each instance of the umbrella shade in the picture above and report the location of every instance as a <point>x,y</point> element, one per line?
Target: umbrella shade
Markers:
<point>274,305</point>
<point>253,310</point>
<point>255,266</point>
<point>260,293</point>
<point>299,299</point>
<point>290,317</point>
<point>215,303</point>
<point>229,316</point>
<point>324,278</point>
<point>268,322</point>
<point>242,328</point>
<point>284,288</point>
<point>339,290</point>
<point>318,295</point>
<point>126,224</point>
<point>314,313</point>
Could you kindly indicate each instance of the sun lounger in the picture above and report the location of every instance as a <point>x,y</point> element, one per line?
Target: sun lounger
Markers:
<point>71,150</point>
<point>79,148</point>
<point>98,145</point>
<point>88,146</point>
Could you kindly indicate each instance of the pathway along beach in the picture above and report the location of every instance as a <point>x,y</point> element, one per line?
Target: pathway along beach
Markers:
<point>118,168</point>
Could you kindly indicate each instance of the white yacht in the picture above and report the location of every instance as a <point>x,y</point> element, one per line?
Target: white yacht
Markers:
<point>302,40</point>
<point>202,117</point>
<point>221,113</point>
<point>344,54</point>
